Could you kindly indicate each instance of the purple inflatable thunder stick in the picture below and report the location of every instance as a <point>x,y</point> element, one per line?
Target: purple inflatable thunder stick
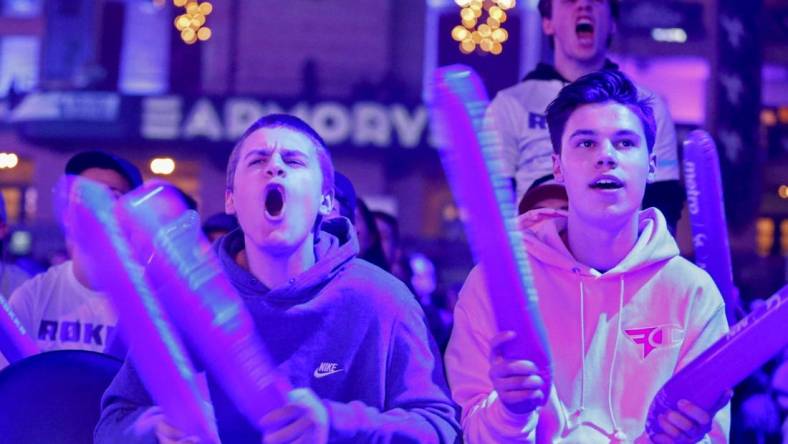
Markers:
<point>15,342</point>
<point>707,216</point>
<point>470,155</point>
<point>747,346</point>
<point>155,347</point>
<point>190,283</point>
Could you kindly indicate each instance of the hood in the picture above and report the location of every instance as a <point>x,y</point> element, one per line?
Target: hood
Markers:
<point>335,246</point>
<point>542,233</point>
<point>544,71</point>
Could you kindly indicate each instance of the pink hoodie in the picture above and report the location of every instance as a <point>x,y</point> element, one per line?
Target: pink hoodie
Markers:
<point>615,338</point>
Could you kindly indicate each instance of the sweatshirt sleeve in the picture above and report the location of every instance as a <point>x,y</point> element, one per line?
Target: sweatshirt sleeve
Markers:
<point>665,144</point>
<point>418,407</point>
<point>122,404</point>
<point>484,418</point>
<point>498,115</point>
<point>23,301</point>
<point>706,324</point>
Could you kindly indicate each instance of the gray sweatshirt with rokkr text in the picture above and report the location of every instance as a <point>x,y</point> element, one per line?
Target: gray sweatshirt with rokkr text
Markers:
<point>346,329</point>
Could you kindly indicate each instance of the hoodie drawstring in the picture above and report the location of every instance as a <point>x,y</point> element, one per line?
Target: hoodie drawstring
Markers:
<point>617,434</point>
<point>582,350</point>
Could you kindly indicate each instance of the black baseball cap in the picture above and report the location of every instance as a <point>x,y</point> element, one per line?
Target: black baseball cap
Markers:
<point>102,159</point>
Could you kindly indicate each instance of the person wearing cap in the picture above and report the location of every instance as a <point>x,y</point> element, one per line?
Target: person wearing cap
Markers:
<point>11,275</point>
<point>59,308</point>
<point>344,198</point>
<point>580,33</point>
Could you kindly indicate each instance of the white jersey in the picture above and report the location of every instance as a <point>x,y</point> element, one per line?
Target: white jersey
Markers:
<point>518,114</point>
<point>61,313</point>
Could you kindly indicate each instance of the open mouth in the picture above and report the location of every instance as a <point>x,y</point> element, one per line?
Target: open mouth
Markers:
<point>584,29</point>
<point>274,200</point>
<point>611,183</point>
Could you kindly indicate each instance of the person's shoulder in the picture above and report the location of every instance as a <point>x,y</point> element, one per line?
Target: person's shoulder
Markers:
<point>38,283</point>
<point>372,285</point>
<point>531,91</point>
<point>686,278</point>
<point>657,102</point>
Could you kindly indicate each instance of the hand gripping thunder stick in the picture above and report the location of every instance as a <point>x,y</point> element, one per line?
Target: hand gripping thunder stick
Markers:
<point>15,342</point>
<point>156,349</point>
<point>191,284</point>
<point>470,155</point>
<point>746,347</point>
<point>707,215</point>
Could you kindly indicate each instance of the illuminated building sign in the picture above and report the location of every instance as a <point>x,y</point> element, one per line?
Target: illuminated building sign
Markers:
<point>103,116</point>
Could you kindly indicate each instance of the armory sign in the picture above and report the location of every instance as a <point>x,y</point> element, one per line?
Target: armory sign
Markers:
<point>99,115</point>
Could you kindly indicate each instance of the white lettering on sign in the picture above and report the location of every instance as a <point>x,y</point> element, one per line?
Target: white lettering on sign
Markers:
<point>332,121</point>
<point>239,114</point>
<point>161,117</point>
<point>409,128</point>
<point>371,125</point>
<point>203,121</point>
<point>362,124</point>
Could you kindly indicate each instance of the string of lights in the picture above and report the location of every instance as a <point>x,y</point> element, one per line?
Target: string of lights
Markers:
<point>481,27</point>
<point>191,23</point>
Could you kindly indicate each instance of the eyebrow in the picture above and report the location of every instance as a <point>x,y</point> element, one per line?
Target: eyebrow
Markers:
<point>582,132</point>
<point>619,133</point>
<point>266,151</point>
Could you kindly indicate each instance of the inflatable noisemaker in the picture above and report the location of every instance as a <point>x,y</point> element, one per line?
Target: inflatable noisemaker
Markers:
<point>156,349</point>
<point>746,347</point>
<point>703,182</point>
<point>471,158</point>
<point>190,283</point>
<point>15,341</point>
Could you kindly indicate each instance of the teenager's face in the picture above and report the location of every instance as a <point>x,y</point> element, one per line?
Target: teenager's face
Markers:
<point>111,178</point>
<point>604,162</point>
<point>580,28</point>
<point>277,190</point>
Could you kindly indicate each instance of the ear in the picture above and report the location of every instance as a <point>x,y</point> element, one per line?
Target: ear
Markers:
<point>557,173</point>
<point>547,26</point>
<point>652,168</point>
<point>229,202</point>
<point>326,203</point>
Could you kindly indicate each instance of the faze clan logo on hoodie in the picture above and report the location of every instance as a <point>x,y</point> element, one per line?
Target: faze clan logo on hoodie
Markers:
<point>656,337</point>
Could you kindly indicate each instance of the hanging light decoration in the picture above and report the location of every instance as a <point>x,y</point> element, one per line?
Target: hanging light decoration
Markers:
<point>481,27</point>
<point>191,23</point>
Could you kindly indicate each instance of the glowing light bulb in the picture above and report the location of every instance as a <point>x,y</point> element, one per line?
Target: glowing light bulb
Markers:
<point>497,48</point>
<point>162,165</point>
<point>467,46</point>
<point>8,160</point>
<point>188,35</point>
<point>459,33</point>
<point>182,22</point>
<point>205,8</point>
<point>500,35</point>
<point>204,33</point>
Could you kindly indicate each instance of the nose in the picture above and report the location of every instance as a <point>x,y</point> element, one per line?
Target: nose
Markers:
<point>584,4</point>
<point>606,156</point>
<point>275,167</point>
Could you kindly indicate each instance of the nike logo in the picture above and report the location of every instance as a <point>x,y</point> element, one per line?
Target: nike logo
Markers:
<point>327,368</point>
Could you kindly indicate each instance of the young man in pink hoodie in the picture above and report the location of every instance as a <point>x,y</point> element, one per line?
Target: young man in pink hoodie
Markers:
<point>623,311</point>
